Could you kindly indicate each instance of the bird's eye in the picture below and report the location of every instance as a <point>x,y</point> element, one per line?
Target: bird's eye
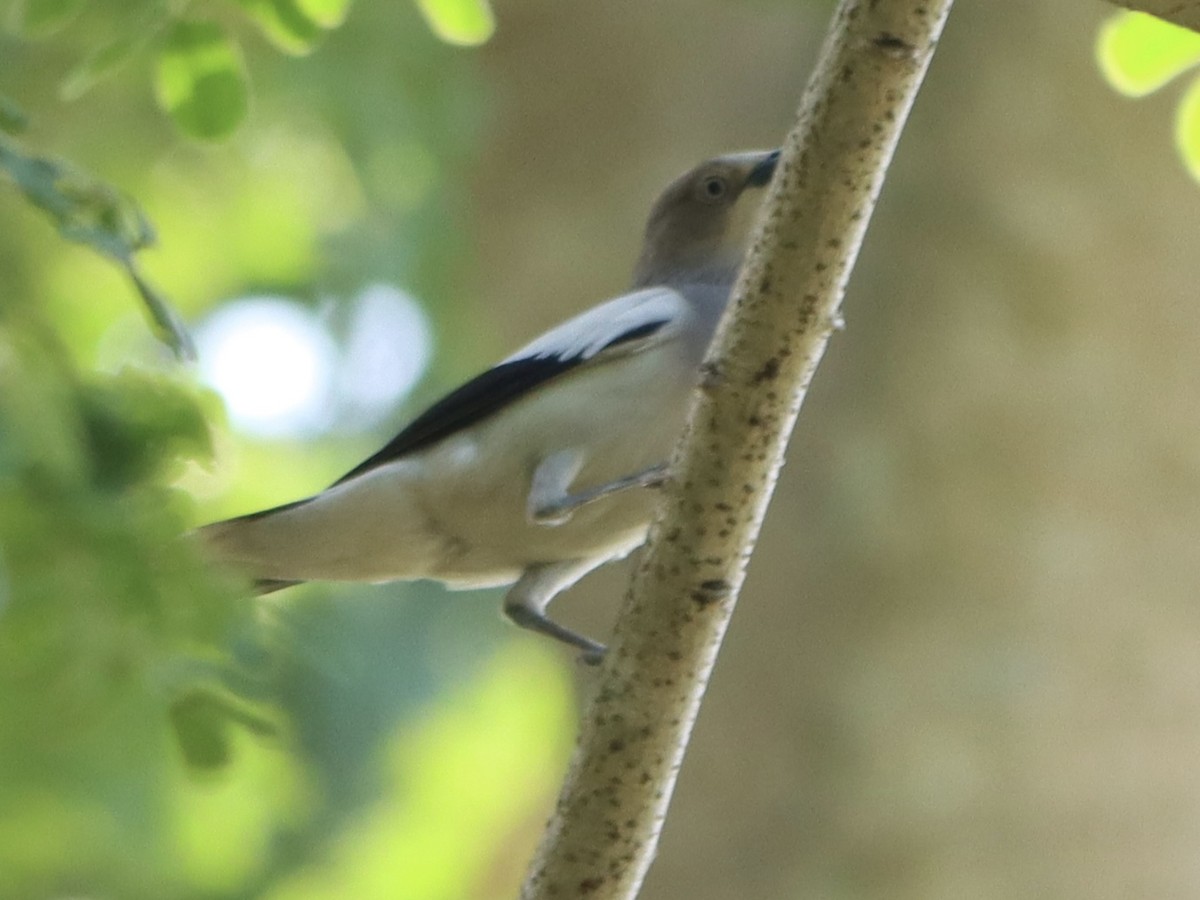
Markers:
<point>713,188</point>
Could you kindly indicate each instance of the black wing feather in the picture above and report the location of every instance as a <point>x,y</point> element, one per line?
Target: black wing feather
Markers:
<point>479,398</point>
<point>484,396</point>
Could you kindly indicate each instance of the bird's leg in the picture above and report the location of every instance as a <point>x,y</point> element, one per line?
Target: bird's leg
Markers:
<point>526,601</point>
<point>650,477</point>
<point>555,508</point>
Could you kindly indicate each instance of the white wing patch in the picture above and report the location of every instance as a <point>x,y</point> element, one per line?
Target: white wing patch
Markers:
<point>584,336</point>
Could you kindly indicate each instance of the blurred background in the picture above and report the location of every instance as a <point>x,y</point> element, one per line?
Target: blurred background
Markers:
<point>967,658</point>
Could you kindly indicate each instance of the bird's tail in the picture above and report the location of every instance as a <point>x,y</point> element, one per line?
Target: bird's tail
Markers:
<point>356,531</point>
<point>249,543</point>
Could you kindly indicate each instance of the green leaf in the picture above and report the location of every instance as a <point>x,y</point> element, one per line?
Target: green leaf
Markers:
<point>84,210</point>
<point>296,26</point>
<point>465,22</point>
<point>201,81</point>
<point>202,718</point>
<point>202,731</point>
<point>41,18</point>
<point>98,65</point>
<point>287,24</point>
<point>168,324</point>
<point>1138,53</point>
<point>1187,129</point>
<point>326,13</point>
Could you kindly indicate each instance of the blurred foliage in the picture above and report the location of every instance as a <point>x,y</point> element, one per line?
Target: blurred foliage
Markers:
<point>163,735</point>
<point>1139,54</point>
<point>98,605</point>
<point>201,81</point>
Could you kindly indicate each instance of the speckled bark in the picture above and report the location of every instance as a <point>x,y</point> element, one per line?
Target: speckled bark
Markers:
<point>603,834</point>
<point>1180,12</point>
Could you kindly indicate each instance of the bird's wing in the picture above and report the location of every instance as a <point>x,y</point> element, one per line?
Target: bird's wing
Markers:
<point>627,324</point>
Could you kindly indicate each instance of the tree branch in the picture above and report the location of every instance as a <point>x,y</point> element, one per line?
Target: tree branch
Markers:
<point>603,835</point>
<point>1185,13</point>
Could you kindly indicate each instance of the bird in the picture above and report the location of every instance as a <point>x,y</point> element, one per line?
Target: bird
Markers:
<point>543,467</point>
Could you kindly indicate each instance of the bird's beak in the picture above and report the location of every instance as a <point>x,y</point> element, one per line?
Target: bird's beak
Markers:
<point>763,170</point>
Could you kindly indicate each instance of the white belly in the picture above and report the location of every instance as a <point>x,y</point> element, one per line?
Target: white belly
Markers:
<point>475,485</point>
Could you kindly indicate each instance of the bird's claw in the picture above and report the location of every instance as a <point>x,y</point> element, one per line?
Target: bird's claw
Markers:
<point>593,656</point>
<point>551,515</point>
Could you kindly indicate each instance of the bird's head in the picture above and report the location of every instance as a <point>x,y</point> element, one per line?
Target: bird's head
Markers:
<point>700,226</point>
